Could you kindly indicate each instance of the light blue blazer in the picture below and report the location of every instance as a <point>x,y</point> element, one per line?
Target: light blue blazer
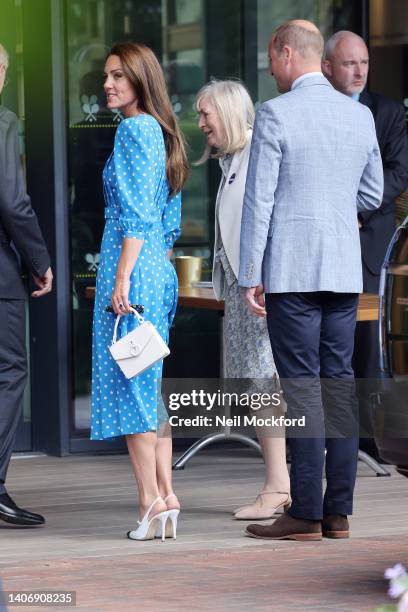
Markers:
<point>314,163</point>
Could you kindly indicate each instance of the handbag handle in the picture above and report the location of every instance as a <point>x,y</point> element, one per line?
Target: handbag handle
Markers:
<point>115,329</point>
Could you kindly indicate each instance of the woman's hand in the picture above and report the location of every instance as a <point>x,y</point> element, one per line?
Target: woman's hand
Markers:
<point>120,296</point>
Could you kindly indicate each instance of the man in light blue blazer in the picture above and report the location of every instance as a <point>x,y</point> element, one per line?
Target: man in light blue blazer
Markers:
<point>314,164</point>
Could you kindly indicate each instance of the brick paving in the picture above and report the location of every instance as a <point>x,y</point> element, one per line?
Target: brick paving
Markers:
<point>211,566</point>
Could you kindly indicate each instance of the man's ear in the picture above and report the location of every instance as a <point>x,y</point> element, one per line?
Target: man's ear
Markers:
<point>287,53</point>
<point>327,67</point>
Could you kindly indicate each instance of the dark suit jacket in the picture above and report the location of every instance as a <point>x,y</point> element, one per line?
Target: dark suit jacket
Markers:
<point>379,226</point>
<point>18,221</point>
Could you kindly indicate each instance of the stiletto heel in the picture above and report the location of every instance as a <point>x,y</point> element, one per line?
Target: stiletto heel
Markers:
<point>147,528</point>
<point>163,516</point>
<point>170,529</point>
<point>173,516</point>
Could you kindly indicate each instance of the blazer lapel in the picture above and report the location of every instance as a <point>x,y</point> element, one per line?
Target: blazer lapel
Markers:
<point>367,99</point>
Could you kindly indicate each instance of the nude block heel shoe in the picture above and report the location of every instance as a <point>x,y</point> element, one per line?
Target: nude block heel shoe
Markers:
<point>248,513</point>
<point>147,528</point>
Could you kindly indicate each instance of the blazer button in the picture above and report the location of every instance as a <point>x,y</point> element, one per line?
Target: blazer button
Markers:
<point>35,262</point>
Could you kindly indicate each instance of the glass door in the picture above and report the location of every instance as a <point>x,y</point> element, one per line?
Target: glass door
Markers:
<point>174,30</point>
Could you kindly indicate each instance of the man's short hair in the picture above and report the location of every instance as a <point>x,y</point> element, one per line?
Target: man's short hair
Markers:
<point>306,41</point>
<point>4,58</point>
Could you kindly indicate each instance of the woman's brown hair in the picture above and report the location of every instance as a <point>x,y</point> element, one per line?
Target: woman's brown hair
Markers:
<point>142,68</point>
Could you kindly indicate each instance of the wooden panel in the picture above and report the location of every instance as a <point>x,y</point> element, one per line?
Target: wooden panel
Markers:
<point>193,297</point>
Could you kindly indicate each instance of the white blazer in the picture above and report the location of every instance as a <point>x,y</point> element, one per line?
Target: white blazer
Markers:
<point>228,213</point>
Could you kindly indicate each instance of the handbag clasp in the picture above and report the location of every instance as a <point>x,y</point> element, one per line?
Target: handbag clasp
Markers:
<point>135,349</point>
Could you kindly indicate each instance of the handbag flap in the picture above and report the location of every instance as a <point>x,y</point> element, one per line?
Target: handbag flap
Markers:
<point>133,344</point>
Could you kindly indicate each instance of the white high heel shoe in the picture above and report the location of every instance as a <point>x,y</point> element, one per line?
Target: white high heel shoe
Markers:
<point>170,527</point>
<point>147,528</point>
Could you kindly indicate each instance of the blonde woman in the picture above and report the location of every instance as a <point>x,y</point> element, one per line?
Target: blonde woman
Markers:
<point>226,116</point>
<point>142,179</point>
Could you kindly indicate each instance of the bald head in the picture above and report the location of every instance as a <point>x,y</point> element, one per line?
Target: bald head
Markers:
<point>300,35</point>
<point>295,48</point>
<point>345,62</point>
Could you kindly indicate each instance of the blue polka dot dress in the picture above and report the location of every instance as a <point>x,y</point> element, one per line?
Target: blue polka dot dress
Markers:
<point>137,205</point>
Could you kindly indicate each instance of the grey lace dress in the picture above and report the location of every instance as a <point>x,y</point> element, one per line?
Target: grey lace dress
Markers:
<point>247,349</point>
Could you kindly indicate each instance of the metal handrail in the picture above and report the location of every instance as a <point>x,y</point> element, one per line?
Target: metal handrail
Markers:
<point>382,323</point>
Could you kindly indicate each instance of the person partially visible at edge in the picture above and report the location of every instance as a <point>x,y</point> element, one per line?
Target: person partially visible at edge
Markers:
<point>19,231</point>
<point>143,179</point>
<point>346,65</point>
<point>314,164</point>
<point>226,116</point>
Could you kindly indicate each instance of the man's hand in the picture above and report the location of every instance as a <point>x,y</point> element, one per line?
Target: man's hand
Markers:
<point>255,300</point>
<point>44,283</point>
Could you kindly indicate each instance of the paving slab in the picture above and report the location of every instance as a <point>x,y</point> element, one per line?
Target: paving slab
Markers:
<point>90,503</point>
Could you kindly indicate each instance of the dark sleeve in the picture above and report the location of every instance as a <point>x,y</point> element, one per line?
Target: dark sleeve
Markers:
<point>394,152</point>
<point>395,157</point>
<point>16,214</point>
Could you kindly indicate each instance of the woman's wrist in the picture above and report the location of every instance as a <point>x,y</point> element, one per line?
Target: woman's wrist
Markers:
<point>122,273</point>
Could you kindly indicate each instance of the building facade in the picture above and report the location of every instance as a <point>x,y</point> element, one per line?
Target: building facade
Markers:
<point>57,52</point>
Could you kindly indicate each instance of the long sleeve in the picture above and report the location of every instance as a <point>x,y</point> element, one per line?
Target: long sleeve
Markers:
<point>370,191</point>
<point>393,138</point>
<point>16,214</point>
<point>136,177</point>
<point>262,179</point>
<point>171,220</point>
<point>395,158</point>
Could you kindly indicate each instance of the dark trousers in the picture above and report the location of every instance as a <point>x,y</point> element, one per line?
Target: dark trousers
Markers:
<point>13,377</point>
<point>312,337</point>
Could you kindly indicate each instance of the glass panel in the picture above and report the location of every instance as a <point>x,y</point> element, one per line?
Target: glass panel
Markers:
<point>173,29</point>
<point>183,57</point>
<point>193,39</point>
<point>388,47</point>
<point>328,15</point>
<point>188,11</point>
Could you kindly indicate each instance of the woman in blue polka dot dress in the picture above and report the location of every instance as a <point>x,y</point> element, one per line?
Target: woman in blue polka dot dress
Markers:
<point>142,181</point>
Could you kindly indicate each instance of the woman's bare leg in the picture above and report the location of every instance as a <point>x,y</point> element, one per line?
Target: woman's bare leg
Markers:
<point>164,451</point>
<point>142,452</point>
<point>276,483</point>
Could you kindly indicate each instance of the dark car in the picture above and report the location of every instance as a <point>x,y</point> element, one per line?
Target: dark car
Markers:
<point>390,404</point>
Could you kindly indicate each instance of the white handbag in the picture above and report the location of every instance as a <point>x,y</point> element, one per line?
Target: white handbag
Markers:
<point>139,349</point>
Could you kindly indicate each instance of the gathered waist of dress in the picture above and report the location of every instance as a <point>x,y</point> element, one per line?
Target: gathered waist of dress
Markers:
<point>113,215</point>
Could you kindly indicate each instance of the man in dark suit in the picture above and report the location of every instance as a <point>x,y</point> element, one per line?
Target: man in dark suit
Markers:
<point>345,64</point>
<point>19,232</point>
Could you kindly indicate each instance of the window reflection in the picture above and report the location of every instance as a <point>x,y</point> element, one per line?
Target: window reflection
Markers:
<point>173,29</point>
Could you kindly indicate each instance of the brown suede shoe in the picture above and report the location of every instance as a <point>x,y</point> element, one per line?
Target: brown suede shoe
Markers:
<point>335,526</point>
<point>287,528</point>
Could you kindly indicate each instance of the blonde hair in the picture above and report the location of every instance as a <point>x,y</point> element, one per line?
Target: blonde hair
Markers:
<point>4,58</point>
<point>306,41</point>
<point>142,68</point>
<point>233,104</point>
